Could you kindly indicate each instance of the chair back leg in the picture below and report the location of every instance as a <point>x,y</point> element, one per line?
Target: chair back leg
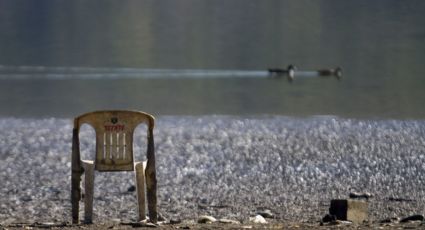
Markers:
<point>151,182</point>
<point>139,169</point>
<point>151,195</point>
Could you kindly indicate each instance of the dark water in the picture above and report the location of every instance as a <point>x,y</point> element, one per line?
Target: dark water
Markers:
<point>380,45</point>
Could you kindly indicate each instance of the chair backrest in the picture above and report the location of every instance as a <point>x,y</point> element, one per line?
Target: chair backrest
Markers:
<point>114,137</point>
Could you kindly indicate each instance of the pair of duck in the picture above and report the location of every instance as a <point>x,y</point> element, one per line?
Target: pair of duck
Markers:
<point>290,72</point>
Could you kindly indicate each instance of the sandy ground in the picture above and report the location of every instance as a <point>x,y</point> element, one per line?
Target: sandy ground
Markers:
<point>191,225</point>
<point>226,167</point>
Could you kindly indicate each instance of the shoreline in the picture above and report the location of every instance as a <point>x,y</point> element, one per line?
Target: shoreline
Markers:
<point>191,224</point>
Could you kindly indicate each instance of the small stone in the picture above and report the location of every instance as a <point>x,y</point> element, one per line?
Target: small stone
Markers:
<point>47,224</point>
<point>175,221</point>
<point>258,219</point>
<point>266,213</point>
<point>54,190</point>
<point>412,218</point>
<point>328,218</point>
<point>228,221</point>
<point>140,224</point>
<point>396,199</point>
<point>26,198</point>
<point>390,220</point>
<point>132,188</point>
<point>357,195</point>
<point>151,225</point>
<point>340,222</point>
<point>206,219</point>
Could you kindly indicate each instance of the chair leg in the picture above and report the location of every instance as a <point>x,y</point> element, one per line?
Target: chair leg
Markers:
<point>75,196</point>
<point>140,188</point>
<point>151,193</point>
<point>88,190</point>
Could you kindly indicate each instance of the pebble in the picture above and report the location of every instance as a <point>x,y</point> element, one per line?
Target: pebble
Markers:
<point>206,219</point>
<point>329,218</point>
<point>175,221</point>
<point>258,219</point>
<point>412,218</point>
<point>358,195</point>
<point>265,213</point>
<point>228,221</point>
<point>342,222</point>
<point>132,188</point>
<point>140,224</point>
<point>390,220</point>
<point>396,199</point>
<point>335,222</point>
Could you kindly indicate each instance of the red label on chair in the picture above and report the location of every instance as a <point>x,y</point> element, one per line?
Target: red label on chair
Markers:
<point>114,128</point>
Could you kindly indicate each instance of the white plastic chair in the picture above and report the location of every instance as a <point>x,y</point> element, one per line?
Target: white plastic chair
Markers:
<point>114,152</point>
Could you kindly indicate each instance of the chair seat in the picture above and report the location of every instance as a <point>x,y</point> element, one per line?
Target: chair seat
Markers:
<point>87,161</point>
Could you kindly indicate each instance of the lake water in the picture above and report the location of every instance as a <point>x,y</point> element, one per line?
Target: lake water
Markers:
<point>62,58</point>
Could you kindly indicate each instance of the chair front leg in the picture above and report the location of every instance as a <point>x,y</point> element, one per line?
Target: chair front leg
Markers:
<point>139,168</point>
<point>88,190</point>
<point>75,195</point>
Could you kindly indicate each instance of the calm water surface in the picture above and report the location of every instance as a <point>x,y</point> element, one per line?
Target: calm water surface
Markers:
<point>379,44</point>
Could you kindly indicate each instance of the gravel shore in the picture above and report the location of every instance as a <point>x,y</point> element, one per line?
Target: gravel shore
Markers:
<point>224,166</point>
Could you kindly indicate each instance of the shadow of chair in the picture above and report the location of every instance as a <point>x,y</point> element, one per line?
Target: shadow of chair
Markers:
<point>114,152</point>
